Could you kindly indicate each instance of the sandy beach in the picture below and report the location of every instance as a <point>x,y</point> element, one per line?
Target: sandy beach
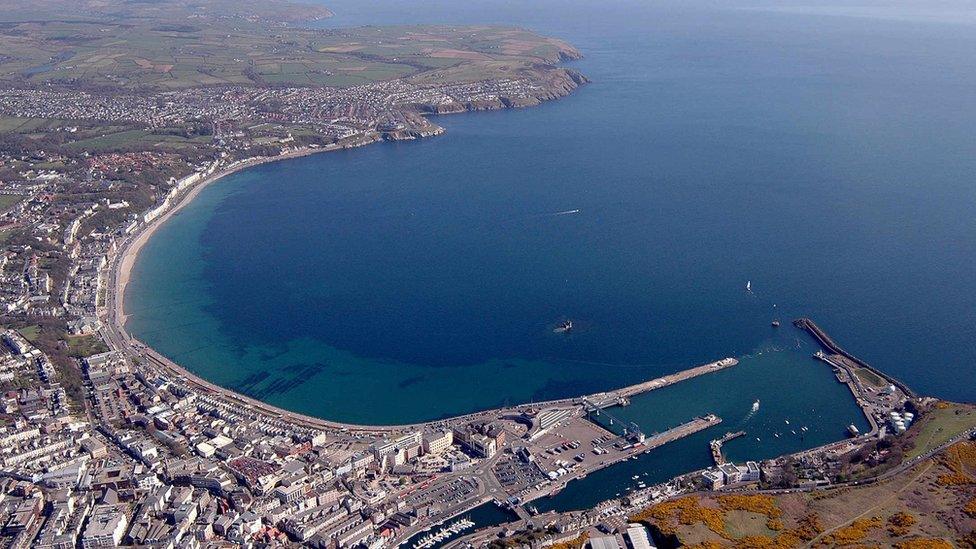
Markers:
<point>130,251</point>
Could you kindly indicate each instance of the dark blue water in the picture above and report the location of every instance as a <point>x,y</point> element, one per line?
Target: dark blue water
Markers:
<point>801,406</point>
<point>825,154</point>
<point>483,516</point>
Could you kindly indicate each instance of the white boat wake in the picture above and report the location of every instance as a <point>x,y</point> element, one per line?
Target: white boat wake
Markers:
<point>752,411</point>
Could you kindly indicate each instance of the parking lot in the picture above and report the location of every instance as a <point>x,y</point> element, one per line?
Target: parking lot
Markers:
<point>576,443</point>
<point>447,493</point>
<point>515,474</point>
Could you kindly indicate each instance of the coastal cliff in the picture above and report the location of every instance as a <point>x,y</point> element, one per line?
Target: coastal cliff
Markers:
<point>427,129</point>
<point>546,84</point>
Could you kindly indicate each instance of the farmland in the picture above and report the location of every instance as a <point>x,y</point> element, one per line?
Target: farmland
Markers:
<point>125,50</point>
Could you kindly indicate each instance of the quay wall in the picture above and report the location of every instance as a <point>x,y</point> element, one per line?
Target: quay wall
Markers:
<point>828,343</point>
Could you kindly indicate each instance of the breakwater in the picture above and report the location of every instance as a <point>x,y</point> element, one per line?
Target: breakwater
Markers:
<point>828,343</point>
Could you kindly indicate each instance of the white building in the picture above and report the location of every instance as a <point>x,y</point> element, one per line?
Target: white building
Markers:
<point>714,479</point>
<point>438,441</point>
<point>749,473</point>
<point>106,526</point>
<point>394,452</point>
<point>637,535</point>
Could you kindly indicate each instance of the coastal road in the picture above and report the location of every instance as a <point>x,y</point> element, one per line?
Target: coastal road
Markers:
<point>114,333</point>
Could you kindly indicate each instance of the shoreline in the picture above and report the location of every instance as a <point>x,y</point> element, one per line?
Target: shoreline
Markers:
<point>118,338</point>
<point>129,253</point>
<point>115,317</point>
<point>119,273</point>
<point>130,250</point>
<point>119,269</point>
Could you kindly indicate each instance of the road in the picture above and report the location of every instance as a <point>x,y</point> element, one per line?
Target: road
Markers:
<point>117,338</point>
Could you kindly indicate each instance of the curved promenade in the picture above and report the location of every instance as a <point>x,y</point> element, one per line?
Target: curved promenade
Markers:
<point>116,336</point>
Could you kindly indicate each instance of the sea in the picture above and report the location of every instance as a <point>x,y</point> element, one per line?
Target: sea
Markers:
<point>821,153</point>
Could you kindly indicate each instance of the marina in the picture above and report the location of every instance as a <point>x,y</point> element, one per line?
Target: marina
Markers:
<point>432,539</point>
<point>505,336</point>
<point>769,373</point>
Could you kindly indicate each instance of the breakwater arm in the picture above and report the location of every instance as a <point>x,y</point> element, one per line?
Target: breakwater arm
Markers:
<point>828,343</point>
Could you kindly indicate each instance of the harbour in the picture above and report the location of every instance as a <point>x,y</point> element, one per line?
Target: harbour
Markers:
<point>442,534</point>
<point>504,329</point>
<point>637,448</point>
<point>478,363</point>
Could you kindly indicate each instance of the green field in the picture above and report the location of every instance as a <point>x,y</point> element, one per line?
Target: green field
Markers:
<point>150,45</point>
<point>8,200</point>
<point>85,346</point>
<point>135,140</point>
<point>869,377</point>
<point>941,424</point>
<point>740,524</point>
<point>11,124</point>
<point>30,333</point>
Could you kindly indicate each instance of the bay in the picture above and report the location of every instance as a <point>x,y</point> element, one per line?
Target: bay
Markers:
<point>825,155</point>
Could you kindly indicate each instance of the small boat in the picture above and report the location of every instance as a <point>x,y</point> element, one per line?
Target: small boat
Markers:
<point>755,406</point>
<point>853,430</point>
<point>775,324</point>
<point>787,421</point>
<point>776,435</point>
<point>749,286</point>
<point>564,327</point>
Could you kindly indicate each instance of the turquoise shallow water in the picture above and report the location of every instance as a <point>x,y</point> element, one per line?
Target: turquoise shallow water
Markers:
<point>826,157</point>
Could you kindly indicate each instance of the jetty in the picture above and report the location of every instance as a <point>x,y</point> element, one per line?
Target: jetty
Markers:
<point>876,393</point>
<point>631,451</point>
<point>832,347</point>
<point>678,377</point>
<point>716,445</point>
<point>681,431</point>
<point>622,396</point>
